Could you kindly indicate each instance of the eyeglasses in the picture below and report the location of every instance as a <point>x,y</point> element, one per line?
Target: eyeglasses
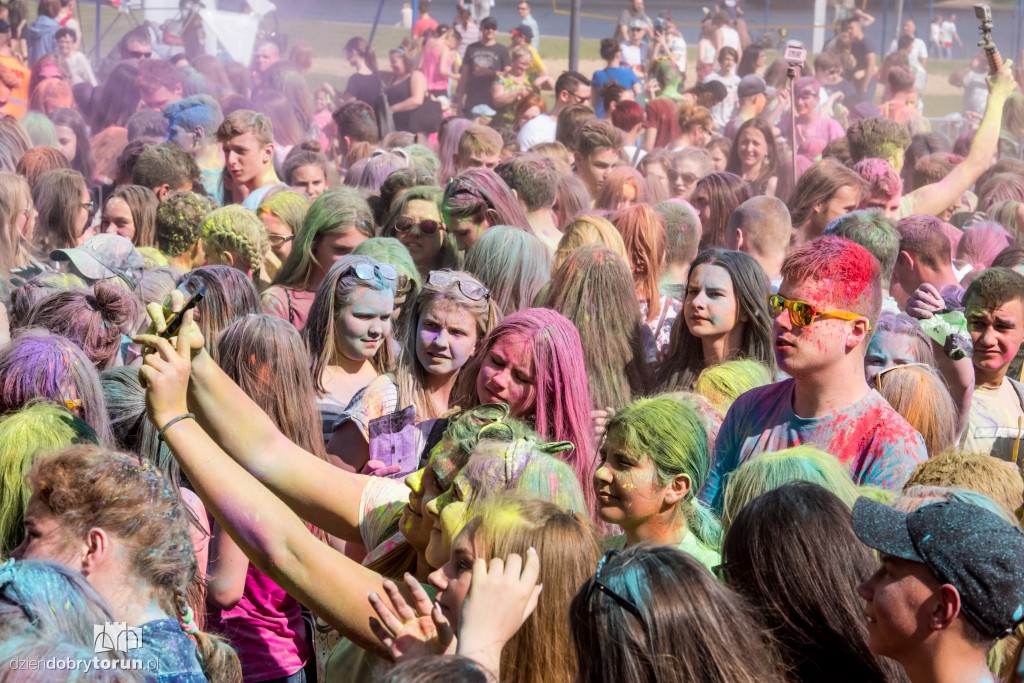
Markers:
<point>877,379</point>
<point>596,584</point>
<point>138,54</point>
<point>802,314</point>
<point>426,226</point>
<point>366,271</point>
<point>279,240</point>
<point>579,98</point>
<point>472,290</point>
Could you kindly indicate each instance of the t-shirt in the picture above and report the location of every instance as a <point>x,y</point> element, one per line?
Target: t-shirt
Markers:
<point>875,444</point>
<point>709,557</point>
<point>634,55</point>
<point>723,111</point>
<point>288,304</point>
<point>376,399</point>
<point>17,105</point>
<point>365,88</point>
<point>948,30</point>
<point>628,15</point>
<point>265,627</point>
<point>80,69</point>
<point>825,129</point>
<point>538,130</point>
<point>622,75</point>
<point>478,88</point>
<point>730,38</point>
<point>992,425</point>
<point>661,326</point>
<point>422,25</point>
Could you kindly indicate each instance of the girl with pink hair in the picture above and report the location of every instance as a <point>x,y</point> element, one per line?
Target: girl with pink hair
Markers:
<point>533,361</point>
<point>885,186</point>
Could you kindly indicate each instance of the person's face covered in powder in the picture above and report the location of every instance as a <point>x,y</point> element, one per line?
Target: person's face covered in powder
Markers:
<point>423,246</point>
<point>446,337</point>
<point>887,350</point>
<point>507,376</point>
<point>629,490</point>
<point>363,323</point>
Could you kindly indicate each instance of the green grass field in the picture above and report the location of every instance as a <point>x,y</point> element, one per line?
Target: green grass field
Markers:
<point>327,39</point>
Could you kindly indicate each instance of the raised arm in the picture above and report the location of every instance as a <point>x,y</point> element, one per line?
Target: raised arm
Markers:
<point>270,534</point>
<point>933,199</point>
<point>318,492</point>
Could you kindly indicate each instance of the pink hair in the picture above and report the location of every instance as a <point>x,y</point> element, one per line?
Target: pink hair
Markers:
<point>981,243</point>
<point>884,183</point>
<point>562,407</point>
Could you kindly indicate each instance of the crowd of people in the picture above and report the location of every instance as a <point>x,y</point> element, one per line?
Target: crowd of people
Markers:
<point>440,377</point>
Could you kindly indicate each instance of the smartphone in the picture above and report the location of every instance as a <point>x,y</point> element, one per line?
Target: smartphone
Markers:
<point>174,322</point>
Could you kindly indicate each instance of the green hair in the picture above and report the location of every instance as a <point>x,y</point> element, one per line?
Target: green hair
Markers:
<point>995,286</point>
<point>672,435</point>
<point>179,220</point>
<point>238,230</point>
<point>291,207</point>
<point>333,213</point>
<point>423,159</point>
<point>769,471</point>
<point>37,429</point>
<point>723,383</point>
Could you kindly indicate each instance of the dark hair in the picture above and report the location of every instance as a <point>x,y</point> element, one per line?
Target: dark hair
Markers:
<point>1011,257</point>
<point>357,121</point>
<point>230,294</point>
<point>147,123</point>
<point>726,191</point>
<point>921,145</point>
<point>685,358</point>
<point>83,161</point>
<point>609,48</point>
<point>162,164</point>
<point>923,237</point>
<point>995,286</point>
<point>533,177</point>
<point>570,122</point>
<point>687,626</point>
<point>769,169</point>
<point>748,62</point>
<point>114,102</point>
<point>793,554</point>
<point>570,81</point>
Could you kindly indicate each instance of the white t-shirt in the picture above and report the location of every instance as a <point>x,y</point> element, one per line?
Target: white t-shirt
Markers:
<point>936,32</point>
<point>730,38</point>
<point>723,111</point>
<point>677,46</point>
<point>948,31</point>
<point>537,130</point>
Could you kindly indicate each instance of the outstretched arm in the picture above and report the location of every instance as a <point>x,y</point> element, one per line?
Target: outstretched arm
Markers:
<point>318,492</point>
<point>272,536</point>
<point>933,199</point>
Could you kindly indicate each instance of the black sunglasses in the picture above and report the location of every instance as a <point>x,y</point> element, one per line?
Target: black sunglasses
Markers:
<point>596,584</point>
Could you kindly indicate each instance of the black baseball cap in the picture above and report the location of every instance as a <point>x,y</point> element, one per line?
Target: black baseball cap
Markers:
<point>488,22</point>
<point>966,546</point>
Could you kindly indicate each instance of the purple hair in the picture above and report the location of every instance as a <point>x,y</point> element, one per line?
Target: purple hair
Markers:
<point>562,407</point>
<point>477,190</point>
<point>981,243</point>
<point>38,364</point>
<point>884,183</point>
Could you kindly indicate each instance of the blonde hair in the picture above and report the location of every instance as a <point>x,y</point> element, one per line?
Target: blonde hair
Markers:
<point>410,375</point>
<point>919,394</point>
<point>15,198</point>
<point>239,231</point>
<point>589,229</point>
<point>541,651</point>
<point>980,472</point>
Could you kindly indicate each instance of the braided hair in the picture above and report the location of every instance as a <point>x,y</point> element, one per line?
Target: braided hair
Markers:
<point>239,231</point>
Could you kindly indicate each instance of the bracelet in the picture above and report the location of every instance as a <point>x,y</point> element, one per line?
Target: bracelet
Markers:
<point>172,422</point>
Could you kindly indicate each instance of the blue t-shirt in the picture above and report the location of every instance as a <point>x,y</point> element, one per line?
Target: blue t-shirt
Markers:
<point>623,75</point>
<point>875,444</point>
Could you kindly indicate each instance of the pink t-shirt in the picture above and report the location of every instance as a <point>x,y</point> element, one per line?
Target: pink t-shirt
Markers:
<point>288,304</point>
<point>430,65</point>
<point>266,628</point>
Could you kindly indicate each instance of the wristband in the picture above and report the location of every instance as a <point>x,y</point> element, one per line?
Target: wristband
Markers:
<point>172,422</point>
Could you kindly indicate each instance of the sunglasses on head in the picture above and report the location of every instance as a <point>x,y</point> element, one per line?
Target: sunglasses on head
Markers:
<point>426,226</point>
<point>472,290</point>
<point>877,379</point>
<point>802,314</point>
<point>367,271</point>
<point>599,586</point>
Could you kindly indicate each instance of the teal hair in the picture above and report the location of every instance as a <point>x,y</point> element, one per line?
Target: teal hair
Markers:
<point>333,213</point>
<point>672,435</point>
<point>423,159</point>
<point>390,250</point>
<point>723,383</point>
<point>25,436</point>
<point>290,207</point>
<point>769,471</point>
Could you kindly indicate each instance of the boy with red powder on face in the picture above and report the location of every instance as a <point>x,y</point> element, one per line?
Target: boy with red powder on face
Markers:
<point>827,305</point>
<point>994,308</point>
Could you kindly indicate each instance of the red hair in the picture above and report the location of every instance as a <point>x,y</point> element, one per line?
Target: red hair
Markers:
<point>643,232</point>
